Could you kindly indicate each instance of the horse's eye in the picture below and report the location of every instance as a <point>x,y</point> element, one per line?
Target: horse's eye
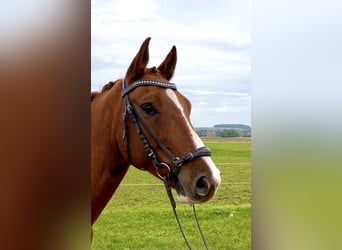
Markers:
<point>148,109</point>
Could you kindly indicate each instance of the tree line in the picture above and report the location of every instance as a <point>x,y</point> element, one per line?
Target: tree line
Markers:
<point>225,130</point>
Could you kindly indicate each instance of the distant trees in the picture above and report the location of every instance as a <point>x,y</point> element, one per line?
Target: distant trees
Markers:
<point>202,132</point>
<point>228,133</point>
<point>225,130</point>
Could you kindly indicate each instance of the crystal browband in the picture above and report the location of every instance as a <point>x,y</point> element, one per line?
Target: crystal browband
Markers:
<point>167,85</point>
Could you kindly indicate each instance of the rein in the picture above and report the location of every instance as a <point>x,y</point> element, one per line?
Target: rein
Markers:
<point>173,172</point>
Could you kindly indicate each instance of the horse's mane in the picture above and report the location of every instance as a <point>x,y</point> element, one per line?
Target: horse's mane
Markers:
<point>104,89</point>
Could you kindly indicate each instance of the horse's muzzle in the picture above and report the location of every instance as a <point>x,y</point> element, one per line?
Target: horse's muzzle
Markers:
<point>199,188</point>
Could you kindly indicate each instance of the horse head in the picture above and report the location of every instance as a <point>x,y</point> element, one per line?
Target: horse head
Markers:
<point>162,119</point>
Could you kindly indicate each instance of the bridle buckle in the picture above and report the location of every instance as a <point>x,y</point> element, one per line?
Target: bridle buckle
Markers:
<point>188,157</point>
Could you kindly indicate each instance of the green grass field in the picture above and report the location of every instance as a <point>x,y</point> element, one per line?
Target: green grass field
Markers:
<point>139,215</point>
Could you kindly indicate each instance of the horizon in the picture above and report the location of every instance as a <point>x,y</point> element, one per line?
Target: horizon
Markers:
<point>213,126</point>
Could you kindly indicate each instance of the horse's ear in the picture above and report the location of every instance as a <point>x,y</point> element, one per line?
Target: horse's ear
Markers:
<point>167,67</point>
<point>138,65</point>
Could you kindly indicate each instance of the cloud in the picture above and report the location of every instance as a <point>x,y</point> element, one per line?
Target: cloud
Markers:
<point>212,40</point>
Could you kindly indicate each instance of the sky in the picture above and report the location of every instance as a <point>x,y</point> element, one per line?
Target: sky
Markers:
<point>213,40</point>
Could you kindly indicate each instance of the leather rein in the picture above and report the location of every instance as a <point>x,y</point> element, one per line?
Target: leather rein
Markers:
<point>173,172</point>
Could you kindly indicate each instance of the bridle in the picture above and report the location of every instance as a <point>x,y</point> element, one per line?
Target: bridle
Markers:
<point>138,122</point>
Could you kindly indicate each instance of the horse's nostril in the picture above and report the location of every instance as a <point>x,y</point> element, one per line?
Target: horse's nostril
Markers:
<point>202,186</point>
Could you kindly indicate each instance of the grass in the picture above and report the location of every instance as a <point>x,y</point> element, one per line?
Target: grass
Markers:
<point>139,216</point>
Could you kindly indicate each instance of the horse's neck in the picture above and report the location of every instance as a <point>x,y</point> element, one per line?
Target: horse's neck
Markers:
<point>107,164</point>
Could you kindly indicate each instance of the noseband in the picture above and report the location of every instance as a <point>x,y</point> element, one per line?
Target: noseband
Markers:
<point>138,122</point>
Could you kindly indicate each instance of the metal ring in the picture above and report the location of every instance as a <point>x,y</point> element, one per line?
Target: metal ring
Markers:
<point>163,164</point>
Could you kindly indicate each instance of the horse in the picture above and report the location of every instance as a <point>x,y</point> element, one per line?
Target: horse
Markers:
<point>144,121</point>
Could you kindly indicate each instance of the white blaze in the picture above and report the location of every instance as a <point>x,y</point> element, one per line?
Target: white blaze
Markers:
<point>195,138</point>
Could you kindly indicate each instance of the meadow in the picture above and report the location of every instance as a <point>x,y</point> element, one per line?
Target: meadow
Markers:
<point>139,215</point>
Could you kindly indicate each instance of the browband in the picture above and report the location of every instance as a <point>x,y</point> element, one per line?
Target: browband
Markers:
<point>126,90</point>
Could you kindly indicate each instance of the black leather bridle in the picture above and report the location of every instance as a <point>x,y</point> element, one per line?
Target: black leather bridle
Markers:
<point>177,161</point>
<point>138,122</point>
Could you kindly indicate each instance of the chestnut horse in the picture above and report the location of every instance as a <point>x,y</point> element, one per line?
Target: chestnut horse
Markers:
<point>142,120</point>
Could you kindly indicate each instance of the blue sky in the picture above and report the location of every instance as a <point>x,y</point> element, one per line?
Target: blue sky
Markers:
<point>213,41</point>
